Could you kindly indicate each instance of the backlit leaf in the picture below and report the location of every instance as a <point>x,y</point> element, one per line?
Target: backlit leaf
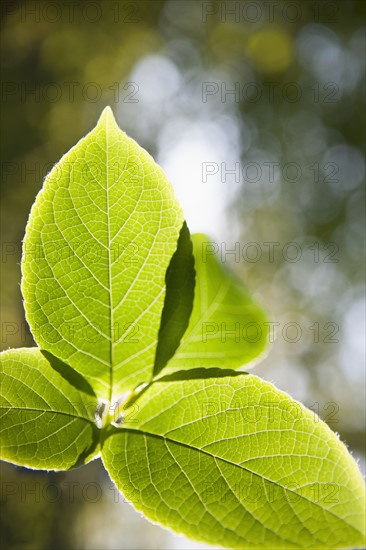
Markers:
<point>47,412</point>
<point>98,242</point>
<point>230,460</point>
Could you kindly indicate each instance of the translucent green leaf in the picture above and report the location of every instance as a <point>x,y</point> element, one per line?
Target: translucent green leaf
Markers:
<point>116,297</point>
<point>232,461</point>
<point>227,328</point>
<point>98,242</point>
<point>47,412</point>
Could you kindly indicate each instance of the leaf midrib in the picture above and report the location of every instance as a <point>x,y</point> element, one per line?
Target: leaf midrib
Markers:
<point>282,539</point>
<point>186,445</point>
<point>111,309</point>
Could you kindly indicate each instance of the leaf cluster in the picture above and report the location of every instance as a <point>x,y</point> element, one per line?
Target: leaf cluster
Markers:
<point>138,361</point>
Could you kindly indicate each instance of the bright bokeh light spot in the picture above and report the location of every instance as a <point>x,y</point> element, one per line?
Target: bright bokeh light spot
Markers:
<point>194,164</point>
<point>353,342</point>
<point>320,50</point>
<point>157,77</point>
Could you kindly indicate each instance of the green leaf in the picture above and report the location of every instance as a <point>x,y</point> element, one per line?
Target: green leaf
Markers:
<point>98,242</point>
<point>47,412</point>
<point>233,461</point>
<point>227,328</point>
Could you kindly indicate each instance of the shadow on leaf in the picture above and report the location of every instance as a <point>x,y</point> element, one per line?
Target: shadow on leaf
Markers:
<point>199,374</point>
<point>178,304</point>
<point>69,374</point>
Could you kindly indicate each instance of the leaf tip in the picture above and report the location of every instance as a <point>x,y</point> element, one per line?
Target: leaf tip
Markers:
<point>107,117</point>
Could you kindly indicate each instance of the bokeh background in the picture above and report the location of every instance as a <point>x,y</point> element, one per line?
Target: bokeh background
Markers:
<point>256,112</point>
